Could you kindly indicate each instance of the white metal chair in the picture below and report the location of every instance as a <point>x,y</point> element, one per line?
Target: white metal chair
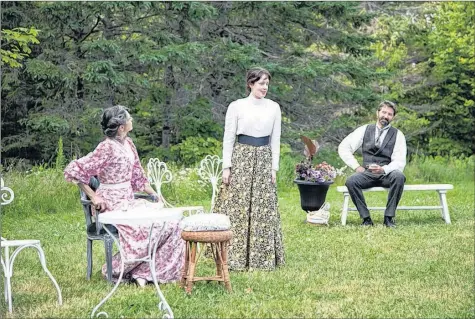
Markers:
<point>159,174</point>
<point>7,263</point>
<point>211,170</point>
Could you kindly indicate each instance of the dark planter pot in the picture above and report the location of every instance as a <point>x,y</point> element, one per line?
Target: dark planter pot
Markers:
<point>312,195</point>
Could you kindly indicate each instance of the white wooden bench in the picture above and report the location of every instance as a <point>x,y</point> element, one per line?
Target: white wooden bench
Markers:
<point>439,188</point>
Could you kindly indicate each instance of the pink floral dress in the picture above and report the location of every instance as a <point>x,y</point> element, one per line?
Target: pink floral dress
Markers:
<point>116,163</point>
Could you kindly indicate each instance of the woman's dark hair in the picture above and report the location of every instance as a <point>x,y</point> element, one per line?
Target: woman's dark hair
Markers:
<point>253,75</point>
<point>112,118</point>
<point>388,104</point>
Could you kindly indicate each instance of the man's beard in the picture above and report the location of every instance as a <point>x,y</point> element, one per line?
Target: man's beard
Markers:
<point>384,122</point>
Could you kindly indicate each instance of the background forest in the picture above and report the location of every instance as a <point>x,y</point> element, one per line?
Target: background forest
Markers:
<point>178,65</point>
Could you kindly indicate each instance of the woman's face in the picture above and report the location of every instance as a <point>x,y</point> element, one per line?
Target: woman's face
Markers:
<point>259,88</point>
<point>128,124</point>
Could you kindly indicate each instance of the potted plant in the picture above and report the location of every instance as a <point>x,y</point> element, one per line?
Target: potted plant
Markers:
<point>313,181</point>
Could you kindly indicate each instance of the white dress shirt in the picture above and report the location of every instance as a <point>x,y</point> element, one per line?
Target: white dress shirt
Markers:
<point>253,117</point>
<point>354,141</point>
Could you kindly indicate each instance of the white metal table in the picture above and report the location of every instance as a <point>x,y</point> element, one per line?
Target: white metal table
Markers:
<point>146,217</point>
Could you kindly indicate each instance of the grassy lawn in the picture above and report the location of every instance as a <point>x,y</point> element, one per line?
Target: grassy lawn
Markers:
<point>422,269</point>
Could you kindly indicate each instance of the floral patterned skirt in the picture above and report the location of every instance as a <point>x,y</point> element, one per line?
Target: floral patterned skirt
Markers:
<point>250,201</point>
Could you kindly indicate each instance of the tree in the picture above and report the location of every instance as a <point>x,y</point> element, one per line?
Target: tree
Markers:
<point>430,51</point>
<point>178,65</point>
<point>15,46</point>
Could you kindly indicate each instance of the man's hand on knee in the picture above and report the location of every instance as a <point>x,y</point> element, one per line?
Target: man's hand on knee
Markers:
<point>360,169</point>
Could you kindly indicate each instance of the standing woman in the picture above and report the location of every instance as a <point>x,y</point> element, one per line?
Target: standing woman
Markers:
<point>116,164</point>
<point>251,149</point>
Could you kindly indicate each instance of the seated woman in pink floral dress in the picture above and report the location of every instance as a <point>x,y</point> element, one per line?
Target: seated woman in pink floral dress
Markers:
<point>116,164</point>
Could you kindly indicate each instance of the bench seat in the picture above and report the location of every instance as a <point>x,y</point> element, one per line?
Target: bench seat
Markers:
<point>441,189</point>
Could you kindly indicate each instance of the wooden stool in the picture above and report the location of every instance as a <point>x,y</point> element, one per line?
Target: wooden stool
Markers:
<point>219,241</point>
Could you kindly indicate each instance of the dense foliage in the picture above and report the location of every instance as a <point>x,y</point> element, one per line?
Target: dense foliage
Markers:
<point>177,65</point>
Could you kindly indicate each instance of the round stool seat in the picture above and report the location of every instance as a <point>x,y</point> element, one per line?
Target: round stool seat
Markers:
<point>216,236</point>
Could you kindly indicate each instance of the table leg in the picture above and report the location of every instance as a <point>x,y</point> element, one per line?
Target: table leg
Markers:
<point>163,305</point>
<point>103,313</point>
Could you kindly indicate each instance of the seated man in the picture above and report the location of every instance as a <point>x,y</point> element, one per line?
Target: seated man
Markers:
<point>384,158</point>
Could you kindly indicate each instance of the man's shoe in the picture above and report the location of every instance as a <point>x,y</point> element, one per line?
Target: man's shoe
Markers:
<point>389,222</point>
<point>367,222</point>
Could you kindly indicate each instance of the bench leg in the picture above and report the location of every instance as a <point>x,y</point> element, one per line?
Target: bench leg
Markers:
<point>344,212</point>
<point>445,206</point>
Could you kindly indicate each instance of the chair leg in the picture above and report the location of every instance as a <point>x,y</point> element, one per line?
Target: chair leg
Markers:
<point>9,293</point>
<point>218,258</point>
<point>191,270</point>
<point>184,272</point>
<point>108,249</point>
<point>5,273</point>
<point>89,259</point>
<point>224,254</point>
<point>5,289</point>
<point>41,254</point>
<point>344,212</point>
<point>445,206</point>
<point>8,272</point>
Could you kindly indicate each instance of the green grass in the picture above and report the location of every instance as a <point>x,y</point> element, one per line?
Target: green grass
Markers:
<point>421,269</point>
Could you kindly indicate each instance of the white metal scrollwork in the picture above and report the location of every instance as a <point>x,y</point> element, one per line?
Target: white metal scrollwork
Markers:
<point>7,194</point>
<point>158,174</point>
<point>211,170</point>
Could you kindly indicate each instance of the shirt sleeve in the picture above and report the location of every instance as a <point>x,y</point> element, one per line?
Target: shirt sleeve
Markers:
<point>139,178</point>
<point>82,169</point>
<point>230,129</point>
<point>349,145</point>
<point>398,157</point>
<point>275,138</point>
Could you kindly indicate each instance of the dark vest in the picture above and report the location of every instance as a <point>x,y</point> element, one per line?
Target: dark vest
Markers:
<point>373,154</point>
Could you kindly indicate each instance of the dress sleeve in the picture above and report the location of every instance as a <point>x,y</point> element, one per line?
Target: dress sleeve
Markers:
<point>81,170</point>
<point>139,178</point>
<point>230,128</point>
<point>275,138</point>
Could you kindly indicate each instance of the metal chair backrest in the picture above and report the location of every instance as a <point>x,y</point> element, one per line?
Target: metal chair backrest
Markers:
<point>7,194</point>
<point>7,197</point>
<point>158,174</point>
<point>87,204</point>
<point>211,170</point>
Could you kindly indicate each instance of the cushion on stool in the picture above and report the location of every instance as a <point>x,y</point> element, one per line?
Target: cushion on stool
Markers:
<point>206,222</point>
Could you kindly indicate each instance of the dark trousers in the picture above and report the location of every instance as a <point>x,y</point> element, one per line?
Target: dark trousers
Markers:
<point>359,181</point>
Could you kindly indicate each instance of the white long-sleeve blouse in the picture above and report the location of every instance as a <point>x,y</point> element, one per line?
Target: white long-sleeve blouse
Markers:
<point>253,117</point>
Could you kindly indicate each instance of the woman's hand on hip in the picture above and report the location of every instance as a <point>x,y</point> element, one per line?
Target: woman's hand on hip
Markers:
<point>99,203</point>
<point>274,177</point>
<point>226,176</point>
<point>155,198</point>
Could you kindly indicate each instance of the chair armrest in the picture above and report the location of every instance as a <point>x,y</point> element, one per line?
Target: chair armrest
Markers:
<point>86,201</point>
<point>142,196</point>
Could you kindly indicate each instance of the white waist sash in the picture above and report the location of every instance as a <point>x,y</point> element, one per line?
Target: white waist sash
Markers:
<point>115,186</point>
